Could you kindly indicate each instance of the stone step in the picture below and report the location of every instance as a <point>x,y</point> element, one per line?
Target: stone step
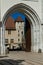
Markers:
<point>32,63</point>
<point>36,60</point>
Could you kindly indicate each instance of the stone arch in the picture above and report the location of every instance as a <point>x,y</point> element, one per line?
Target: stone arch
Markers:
<point>34,22</point>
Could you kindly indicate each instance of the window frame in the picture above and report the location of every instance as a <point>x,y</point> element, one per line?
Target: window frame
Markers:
<point>6,40</point>
<point>11,40</point>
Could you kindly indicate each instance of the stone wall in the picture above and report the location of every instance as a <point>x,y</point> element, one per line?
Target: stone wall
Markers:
<point>36,5</point>
<point>6,4</point>
<point>0,10</point>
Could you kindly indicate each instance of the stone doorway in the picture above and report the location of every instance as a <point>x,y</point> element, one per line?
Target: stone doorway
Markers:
<point>35,26</point>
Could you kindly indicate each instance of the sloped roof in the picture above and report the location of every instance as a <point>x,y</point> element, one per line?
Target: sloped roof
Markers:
<point>19,19</point>
<point>10,23</point>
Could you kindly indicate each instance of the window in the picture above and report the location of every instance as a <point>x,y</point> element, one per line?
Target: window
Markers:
<point>19,26</point>
<point>18,30</point>
<point>6,40</point>
<point>18,34</point>
<point>18,22</point>
<point>22,32</point>
<point>18,39</point>
<point>9,31</point>
<point>12,40</point>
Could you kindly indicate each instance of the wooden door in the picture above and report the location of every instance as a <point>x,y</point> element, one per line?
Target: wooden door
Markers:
<point>28,36</point>
<point>28,40</point>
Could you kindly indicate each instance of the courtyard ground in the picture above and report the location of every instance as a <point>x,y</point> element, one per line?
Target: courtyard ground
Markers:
<point>22,58</point>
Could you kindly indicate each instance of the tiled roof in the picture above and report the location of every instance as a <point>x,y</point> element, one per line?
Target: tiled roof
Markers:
<point>10,23</point>
<point>19,19</point>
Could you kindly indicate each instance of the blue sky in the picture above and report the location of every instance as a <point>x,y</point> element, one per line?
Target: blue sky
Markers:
<point>16,14</point>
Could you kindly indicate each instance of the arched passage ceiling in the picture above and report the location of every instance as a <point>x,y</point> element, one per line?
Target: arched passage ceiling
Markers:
<point>25,9</point>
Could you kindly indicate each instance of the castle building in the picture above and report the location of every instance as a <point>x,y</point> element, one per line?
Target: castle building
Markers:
<point>14,32</point>
<point>20,24</point>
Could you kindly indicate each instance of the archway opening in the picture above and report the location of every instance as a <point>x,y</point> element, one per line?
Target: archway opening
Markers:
<point>18,32</point>
<point>33,20</point>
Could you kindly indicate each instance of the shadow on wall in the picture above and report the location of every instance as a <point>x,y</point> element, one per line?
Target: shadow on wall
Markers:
<point>11,62</point>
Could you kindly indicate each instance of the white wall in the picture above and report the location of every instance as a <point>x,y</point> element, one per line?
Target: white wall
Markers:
<point>13,35</point>
<point>6,4</point>
<point>42,10</point>
<point>0,10</point>
<point>42,23</point>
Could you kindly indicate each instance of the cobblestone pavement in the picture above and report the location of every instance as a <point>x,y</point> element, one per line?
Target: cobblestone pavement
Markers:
<point>22,58</point>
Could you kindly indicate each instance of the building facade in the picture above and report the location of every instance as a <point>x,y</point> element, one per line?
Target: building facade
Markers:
<point>33,10</point>
<point>14,32</point>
